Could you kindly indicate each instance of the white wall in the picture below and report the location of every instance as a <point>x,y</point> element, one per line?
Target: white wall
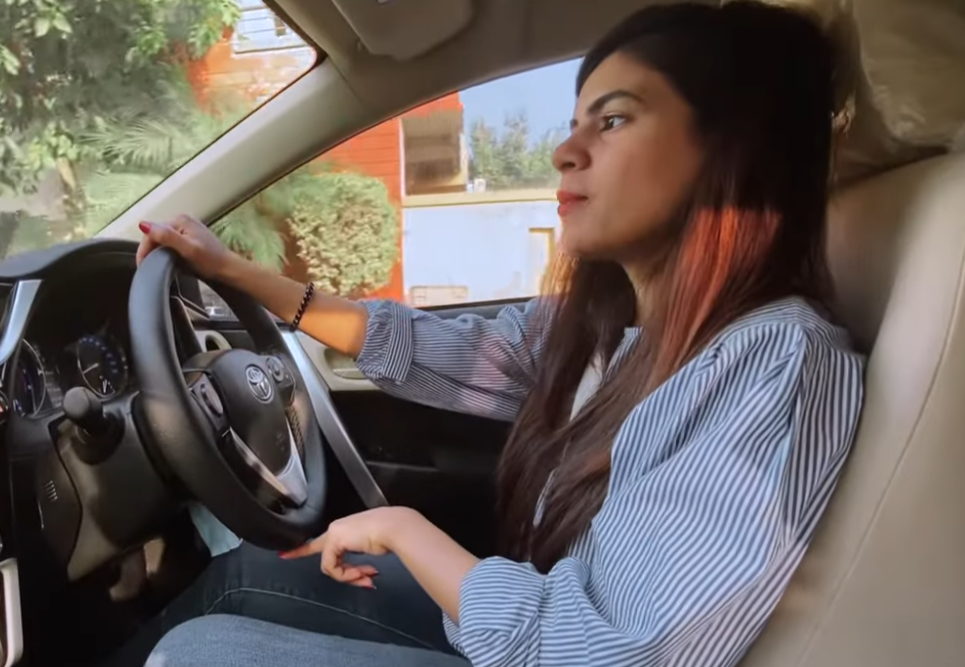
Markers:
<point>486,247</point>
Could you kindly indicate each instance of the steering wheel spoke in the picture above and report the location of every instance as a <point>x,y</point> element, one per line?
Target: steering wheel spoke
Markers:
<point>289,486</point>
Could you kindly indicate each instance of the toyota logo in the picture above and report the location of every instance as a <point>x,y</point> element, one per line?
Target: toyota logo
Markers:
<point>258,383</point>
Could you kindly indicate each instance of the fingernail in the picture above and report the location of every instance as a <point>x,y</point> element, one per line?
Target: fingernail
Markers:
<point>145,227</point>
<point>284,554</point>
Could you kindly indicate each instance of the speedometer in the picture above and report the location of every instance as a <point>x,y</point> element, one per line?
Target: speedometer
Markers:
<point>30,383</point>
<point>102,365</point>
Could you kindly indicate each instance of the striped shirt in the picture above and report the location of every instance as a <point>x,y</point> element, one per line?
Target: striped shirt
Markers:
<point>717,482</point>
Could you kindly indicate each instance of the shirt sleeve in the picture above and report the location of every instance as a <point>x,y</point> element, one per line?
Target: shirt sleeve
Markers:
<point>467,364</point>
<point>697,542</point>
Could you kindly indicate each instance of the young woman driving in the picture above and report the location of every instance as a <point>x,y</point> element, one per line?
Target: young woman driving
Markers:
<point>682,405</point>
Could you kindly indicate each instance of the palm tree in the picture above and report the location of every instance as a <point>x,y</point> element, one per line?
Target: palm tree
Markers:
<point>139,147</point>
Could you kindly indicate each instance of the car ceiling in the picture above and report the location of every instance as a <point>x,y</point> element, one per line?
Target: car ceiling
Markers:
<point>503,36</point>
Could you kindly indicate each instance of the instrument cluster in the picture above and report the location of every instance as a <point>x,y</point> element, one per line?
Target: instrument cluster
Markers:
<point>44,373</point>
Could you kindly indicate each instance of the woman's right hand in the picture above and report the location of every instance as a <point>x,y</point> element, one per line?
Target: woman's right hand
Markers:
<point>333,321</point>
<point>193,241</point>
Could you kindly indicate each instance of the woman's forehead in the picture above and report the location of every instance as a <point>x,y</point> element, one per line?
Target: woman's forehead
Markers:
<point>620,72</point>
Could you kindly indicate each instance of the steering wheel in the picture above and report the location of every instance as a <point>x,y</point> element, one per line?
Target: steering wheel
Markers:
<point>235,427</point>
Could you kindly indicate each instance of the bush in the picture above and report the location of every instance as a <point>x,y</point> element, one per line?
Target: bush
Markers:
<point>347,232</point>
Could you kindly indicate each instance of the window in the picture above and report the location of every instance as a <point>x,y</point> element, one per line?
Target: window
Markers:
<point>96,112</point>
<point>542,248</point>
<point>422,296</point>
<point>453,202</point>
<point>259,29</point>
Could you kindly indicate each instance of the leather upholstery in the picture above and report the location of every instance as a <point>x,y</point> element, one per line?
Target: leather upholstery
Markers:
<point>884,582</point>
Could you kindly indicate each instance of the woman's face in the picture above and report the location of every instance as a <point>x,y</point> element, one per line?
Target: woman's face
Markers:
<point>631,158</point>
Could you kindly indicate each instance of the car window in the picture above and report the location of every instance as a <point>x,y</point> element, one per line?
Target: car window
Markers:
<point>452,202</point>
<point>100,101</point>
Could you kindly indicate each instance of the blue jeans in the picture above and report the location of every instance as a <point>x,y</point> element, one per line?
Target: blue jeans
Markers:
<point>255,583</point>
<point>232,641</point>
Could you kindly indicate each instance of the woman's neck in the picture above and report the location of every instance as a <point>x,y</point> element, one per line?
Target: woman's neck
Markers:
<point>643,279</point>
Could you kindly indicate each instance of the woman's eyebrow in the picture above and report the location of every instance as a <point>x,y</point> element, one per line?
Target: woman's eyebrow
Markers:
<point>597,106</point>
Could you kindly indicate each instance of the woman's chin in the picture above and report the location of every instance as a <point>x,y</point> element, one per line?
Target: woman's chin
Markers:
<point>571,243</point>
<point>579,247</point>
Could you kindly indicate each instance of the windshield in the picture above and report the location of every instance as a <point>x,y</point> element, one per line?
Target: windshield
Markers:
<point>101,100</point>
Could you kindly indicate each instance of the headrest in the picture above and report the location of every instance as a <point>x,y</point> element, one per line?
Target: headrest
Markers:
<point>903,66</point>
<point>898,228</point>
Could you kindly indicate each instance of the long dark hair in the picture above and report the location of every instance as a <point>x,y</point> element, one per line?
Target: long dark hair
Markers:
<point>760,81</point>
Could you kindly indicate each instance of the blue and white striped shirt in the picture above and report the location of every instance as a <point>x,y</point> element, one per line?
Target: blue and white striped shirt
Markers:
<point>718,480</point>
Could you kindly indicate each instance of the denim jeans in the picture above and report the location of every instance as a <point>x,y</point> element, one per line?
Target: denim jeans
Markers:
<point>233,641</point>
<point>255,583</point>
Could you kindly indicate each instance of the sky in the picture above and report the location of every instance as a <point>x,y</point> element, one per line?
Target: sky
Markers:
<point>546,94</point>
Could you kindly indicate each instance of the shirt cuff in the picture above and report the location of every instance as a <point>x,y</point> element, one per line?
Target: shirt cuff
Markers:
<point>387,352</point>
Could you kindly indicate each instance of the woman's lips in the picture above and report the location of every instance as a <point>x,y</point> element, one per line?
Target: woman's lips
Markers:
<point>569,202</point>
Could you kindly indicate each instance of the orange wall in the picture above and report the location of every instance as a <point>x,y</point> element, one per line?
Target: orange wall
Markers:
<point>450,102</point>
<point>253,75</point>
<point>376,152</point>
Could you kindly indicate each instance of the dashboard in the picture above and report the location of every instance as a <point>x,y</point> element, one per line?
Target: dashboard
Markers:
<point>75,500</point>
<point>78,337</point>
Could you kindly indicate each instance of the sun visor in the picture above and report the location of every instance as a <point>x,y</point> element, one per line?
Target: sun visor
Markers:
<point>404,29</point>
<point>904,62</point>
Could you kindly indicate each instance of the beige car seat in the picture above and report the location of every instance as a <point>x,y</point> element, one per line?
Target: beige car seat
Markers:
<point>884,582</point>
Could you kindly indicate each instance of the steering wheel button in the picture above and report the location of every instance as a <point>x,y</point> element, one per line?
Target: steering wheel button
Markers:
<point>276,368</point>
<point>211,399</point>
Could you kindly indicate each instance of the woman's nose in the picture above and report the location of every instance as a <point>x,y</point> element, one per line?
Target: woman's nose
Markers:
<point>570,155</point>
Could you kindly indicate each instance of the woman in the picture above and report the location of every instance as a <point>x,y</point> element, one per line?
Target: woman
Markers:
<point>683,408</point>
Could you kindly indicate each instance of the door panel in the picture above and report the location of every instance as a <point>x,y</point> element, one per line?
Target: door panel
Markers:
<point>337,370</point>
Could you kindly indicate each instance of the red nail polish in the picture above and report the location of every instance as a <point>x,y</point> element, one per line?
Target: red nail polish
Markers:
<point>145,227</point>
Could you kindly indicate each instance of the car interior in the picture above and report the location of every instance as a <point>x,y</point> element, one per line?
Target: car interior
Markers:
<point>96,538</point>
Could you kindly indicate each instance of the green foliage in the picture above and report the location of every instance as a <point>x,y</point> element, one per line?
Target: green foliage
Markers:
<point>21,232</point>
<point>108,193</point>
<point>253,228</point>
<point>139,147</point>
<point>68,66</point>
<point>253,233</point>
<point>344,225</point>
<point>96,91</point>
<point>347,231</point>
<point>510,160</point>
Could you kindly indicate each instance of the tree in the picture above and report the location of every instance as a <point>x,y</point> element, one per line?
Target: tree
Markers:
<point>94,93</point>
<point>510,160</point>
<point>347,231</point>
<point>138,148</point>
<point>70,69</point>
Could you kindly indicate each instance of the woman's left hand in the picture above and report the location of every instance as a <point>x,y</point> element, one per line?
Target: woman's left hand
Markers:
<point>370,532</point>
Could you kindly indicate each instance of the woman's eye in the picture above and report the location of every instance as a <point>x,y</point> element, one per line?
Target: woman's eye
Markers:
<point>613,121</point>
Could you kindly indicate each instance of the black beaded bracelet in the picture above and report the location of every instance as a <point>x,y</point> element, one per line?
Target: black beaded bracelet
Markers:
<point>307,299</point>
